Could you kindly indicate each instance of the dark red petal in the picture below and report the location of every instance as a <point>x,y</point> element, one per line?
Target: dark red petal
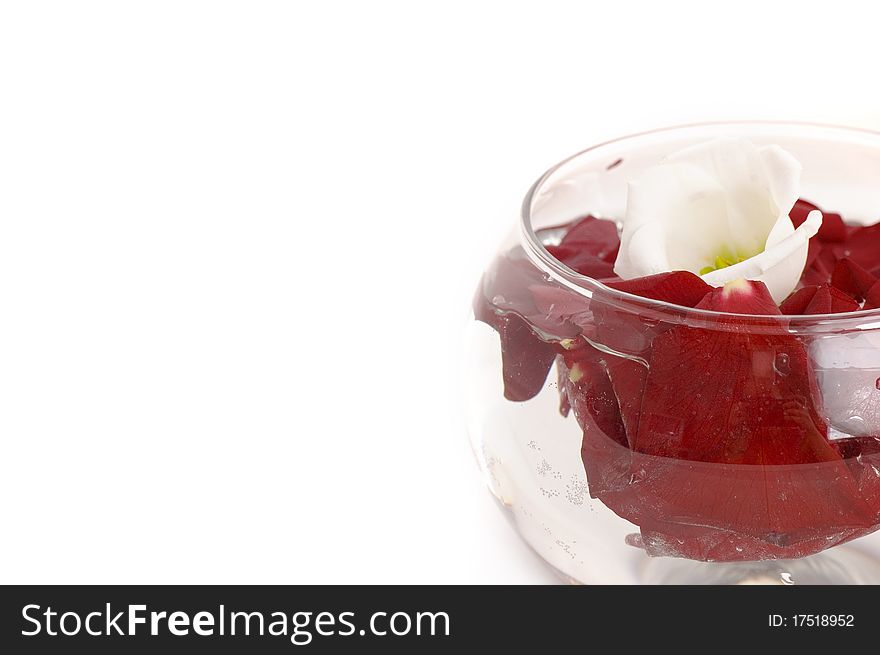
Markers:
<point>583,261</point>
<point>798,301</point>
<point>814,247</point>
<point>589,247</point>
<point>593,235</point>
<point>557,309</point>
<point>628,377</point>
<point>842,302</point>
<point>833,228</point>
<point>607,464</point>
<point>504,297</point>
<point>745,401</point>
<point>710,395</point>
<point>819,299</point>
<point>740,297</point>
<point>589,392</point>
<point>525,358</point>
<point>820,269</point>
<point>630,334</point>
<point>828,300</point>
<point>724,415</point>
<point>863,246</point>
<point>714,544</point>
<point>677,287</point>
<point>854,447</point>
<point>514,284</point>
<point>506,286</point>
<point>852,279</point>
<point>611,256</point>
<point>727,512</point>
<point>872,298</point>
<point>800,211</point>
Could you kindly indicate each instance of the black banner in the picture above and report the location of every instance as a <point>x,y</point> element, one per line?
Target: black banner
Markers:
<point>118,619</point>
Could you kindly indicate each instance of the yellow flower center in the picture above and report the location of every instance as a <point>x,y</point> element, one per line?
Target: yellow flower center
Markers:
<point>725,259</point>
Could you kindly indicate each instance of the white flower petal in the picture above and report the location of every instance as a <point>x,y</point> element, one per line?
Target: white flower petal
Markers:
<point>644,258</point>
<point>783,173</point>
<point>750,180</point>
<point>665,208</point>
<point>780,265</point>
<point>726,199</point>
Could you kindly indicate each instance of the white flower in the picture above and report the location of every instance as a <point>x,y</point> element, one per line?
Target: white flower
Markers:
<point>720,210</point>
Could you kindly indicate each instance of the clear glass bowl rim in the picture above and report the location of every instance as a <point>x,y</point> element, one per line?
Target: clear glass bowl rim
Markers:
<point>661,310</point>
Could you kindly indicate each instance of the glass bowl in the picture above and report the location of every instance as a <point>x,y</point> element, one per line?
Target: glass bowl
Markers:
<point>583,402</point>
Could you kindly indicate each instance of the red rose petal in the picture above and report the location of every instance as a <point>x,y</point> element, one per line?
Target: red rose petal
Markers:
<point>589,392</point>
<point>863,247</point>
<point>837,302</point>
<point>740,297</point>
<point>709,393</point>
<point>820,270</point>
<point>583,262</point>
<point>559,311</point>
<point>852,279</point>
<point>784,509</point>
<point>630,335</point>
<point>504,297</point>
<point>819,299</point>
<point>829,300</point>
<point>589,247</point>
<point>800,211</point>
<point>505,286</point>
<point>525,358</point>
<point>742,405</point>
<point>833,228</point>
<point>628,377</point>
<point>722,512</point>
<point>676,287</point>
<point>798,301</point>
<point>872,298</point>
<point>854,447</point>
<point>607,464</point>
<point>593,235</point>
<point>829,245</point>
<point>814,247</point>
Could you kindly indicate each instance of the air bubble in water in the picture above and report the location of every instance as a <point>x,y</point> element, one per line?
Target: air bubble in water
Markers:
<point>781,364</point>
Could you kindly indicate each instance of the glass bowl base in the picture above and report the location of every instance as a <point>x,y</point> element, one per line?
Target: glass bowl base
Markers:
<point>841,565</point>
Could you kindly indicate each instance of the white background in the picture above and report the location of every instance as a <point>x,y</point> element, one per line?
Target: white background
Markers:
<point>238,243</point>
